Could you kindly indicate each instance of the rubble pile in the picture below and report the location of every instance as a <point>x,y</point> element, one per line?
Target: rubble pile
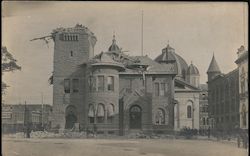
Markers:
<point>15,135</point>
<point>44,134</point>
<point>137,135</point>
<point>74,135</point>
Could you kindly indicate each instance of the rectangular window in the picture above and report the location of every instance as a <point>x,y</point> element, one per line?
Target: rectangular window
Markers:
<point>92,84</point>
<point>100,83</point>
<point>91,119</point>
<point>75,85</point>
<point>233,118</point>
<point>100,119</point>
<point>222,120</point>
<point>111,83</point>
<point>227,118</point>
<point>66,85</point>
<point>110,119</point>
<point>156,89</point>
<point>162,90</point>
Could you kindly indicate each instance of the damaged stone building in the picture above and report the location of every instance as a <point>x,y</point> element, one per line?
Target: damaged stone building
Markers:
<point>115,93</point>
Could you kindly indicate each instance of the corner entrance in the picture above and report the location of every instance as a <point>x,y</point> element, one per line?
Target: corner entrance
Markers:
<point>135,114</point>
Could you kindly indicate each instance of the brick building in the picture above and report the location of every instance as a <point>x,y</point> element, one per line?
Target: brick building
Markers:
<point>15,116</point>
<point>242,63</point>
<point>116,93</point>
<point>205,122</point>
<point>223,98</point>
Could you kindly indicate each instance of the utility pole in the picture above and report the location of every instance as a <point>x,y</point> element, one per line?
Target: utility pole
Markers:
<point>42,110</point>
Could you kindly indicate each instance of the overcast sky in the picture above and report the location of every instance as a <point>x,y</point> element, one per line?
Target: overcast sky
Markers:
<point>194,30</point>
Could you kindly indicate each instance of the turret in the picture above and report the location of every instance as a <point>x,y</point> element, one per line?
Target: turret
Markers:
<point>193,76</point>
<point>213,69</point>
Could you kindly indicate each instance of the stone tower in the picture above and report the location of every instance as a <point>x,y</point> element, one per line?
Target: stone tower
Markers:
<point>213,69</point>
<point>72,48</point>
<point>193,76</point>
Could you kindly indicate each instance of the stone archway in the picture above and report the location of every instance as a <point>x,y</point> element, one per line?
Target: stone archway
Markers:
<point>70,117</point>
<point>135,117</point>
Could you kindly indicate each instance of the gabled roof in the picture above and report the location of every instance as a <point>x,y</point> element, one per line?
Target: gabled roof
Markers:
<point>213,67</point>
<point>186,87</point>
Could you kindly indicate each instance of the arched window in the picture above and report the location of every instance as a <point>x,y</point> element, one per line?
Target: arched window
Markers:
<point>110,112</point>
<point>189,112</point>
<point>160,117</point>
<point>91,113</point>
<point>100,113</point>
<point>204,96</point>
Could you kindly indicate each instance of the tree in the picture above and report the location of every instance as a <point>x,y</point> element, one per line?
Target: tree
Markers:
<point>8,65</point>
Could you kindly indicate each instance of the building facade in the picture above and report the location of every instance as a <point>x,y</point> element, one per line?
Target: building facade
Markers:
<point>205,123</point>
<point>242,63</point>
<point>223,98</point>
<point>15,116</point>
<point>116,93</point>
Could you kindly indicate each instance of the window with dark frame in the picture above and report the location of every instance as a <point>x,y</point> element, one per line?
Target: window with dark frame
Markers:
<point>110,82</point>
<point>75,85</point>
<point>100,83</point>
<point>66,85</point>
<point>157,89</point>
<point>189,112</point>
<point>91,114</point>
<point>162,89</point>
<point>100,113</point>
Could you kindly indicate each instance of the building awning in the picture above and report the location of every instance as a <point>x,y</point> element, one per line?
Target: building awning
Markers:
<point>100,110</point>
<point>91,111</point>
<point>110,110</point>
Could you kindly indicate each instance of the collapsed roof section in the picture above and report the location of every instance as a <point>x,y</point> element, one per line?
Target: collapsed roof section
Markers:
<point>132,64</point>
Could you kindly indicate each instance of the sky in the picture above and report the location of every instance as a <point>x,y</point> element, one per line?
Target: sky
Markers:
<point>195,30</point>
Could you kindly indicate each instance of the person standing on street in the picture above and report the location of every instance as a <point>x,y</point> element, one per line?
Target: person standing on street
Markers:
<point>238,140</point>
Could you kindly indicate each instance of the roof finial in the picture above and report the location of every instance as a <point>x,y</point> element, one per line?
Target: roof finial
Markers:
<point>113,37</point>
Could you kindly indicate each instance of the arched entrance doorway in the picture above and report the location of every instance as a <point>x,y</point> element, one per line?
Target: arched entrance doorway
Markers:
<point>135,114</point>
<point>70,117</point>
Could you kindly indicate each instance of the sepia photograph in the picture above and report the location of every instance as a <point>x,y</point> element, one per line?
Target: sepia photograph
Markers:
<point>96,78</point>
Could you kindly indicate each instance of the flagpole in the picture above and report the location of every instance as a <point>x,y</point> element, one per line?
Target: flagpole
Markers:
<point>142,34</point>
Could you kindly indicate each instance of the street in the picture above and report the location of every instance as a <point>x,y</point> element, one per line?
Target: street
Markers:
<point>115,147</point>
